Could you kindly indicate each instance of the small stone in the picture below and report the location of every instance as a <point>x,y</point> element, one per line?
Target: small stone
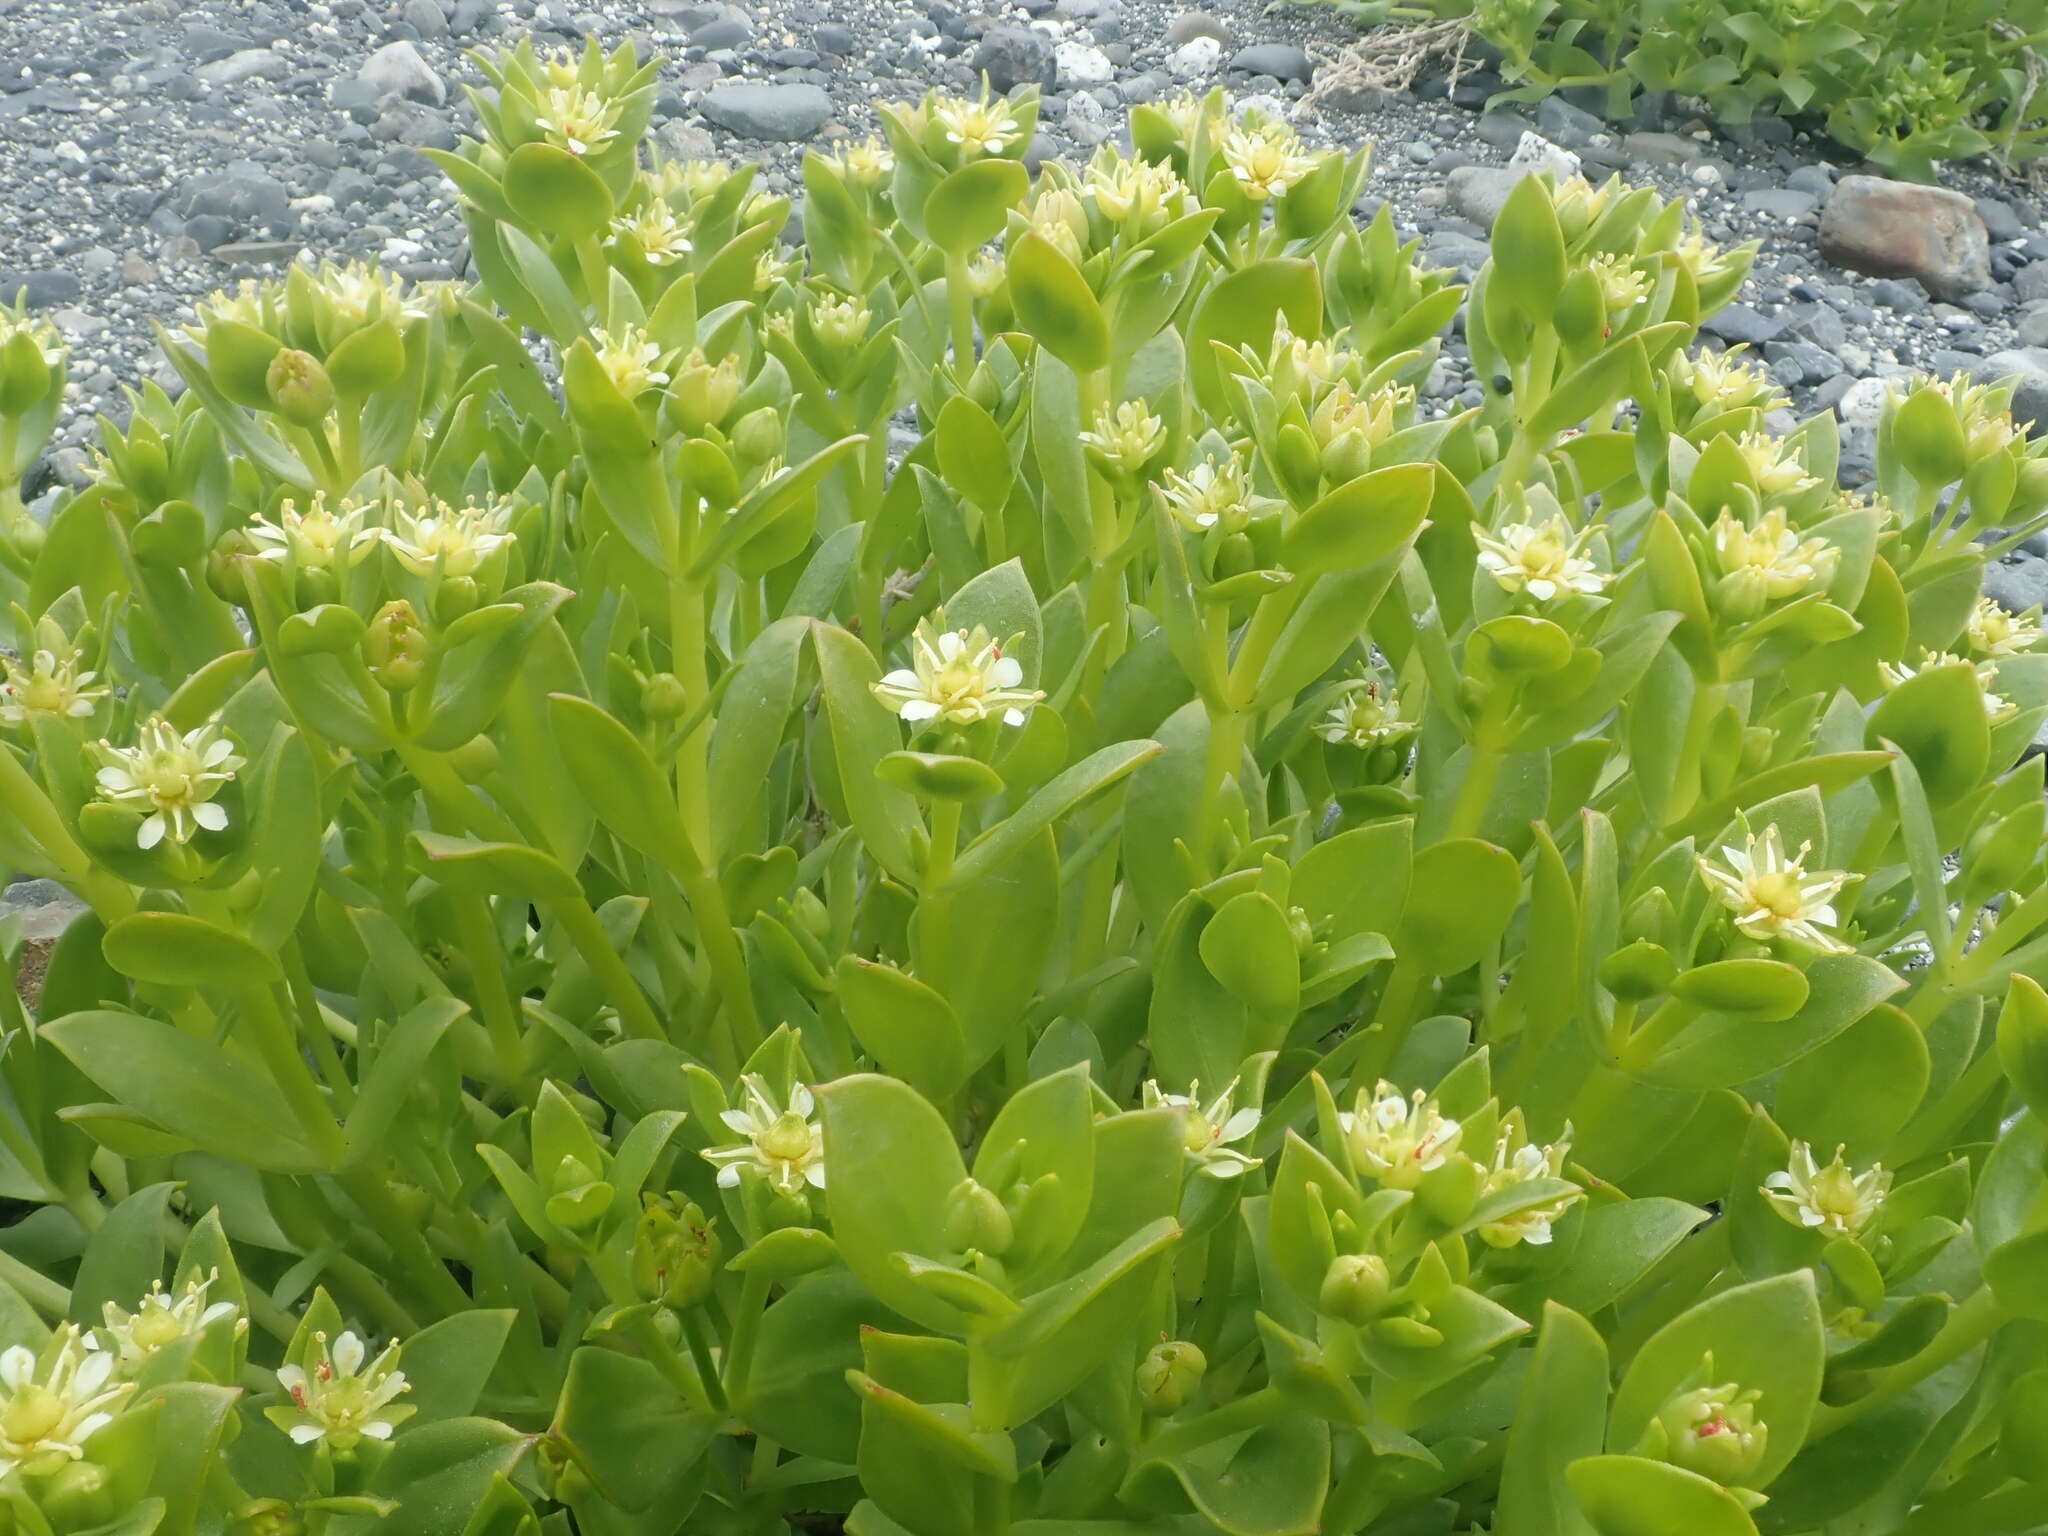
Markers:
<point>1479,192</point>
<point>1283,61</point>
<point>836,38</point>
<point>786,113</point>
<point>1901,229</point>
<point>723,32</point>
<point>2017,584</point>
<point>1818,180</point>
<point>1735,323</point>
<point>2031,282</point>
<point>1562,123</point>
<point>1536,153</point>
<point>1189,25</point>
<point>1079,64</point>
<point>45,909</point>
<point>426,17</point>
<point>136,272</point>
<point>40,290</point>
<point>1014,56</point>
<point>1664,148</point>
<point>259,253</point>
<point>397,70</point>
<point>2033,325</point>
<point>2001,221</point>
<point>1196,58</point>
<point>1088,121</point>
<point>1788,203</point>
<point>245,65</point>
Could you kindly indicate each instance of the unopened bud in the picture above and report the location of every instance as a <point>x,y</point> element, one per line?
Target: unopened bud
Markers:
<point>1170,1375</point>
<point>78,1496</point>
<point>675,1253</point>
<point>453,597</point>
<point>663,697</point>
<point>976,1219</point>
<point>701,395</point>
<point>1713,1431</point>
<point>395,647</point>
<point>758,437</point>
<point>266,1517</point>
<point>299,387</point>
<point>1356,1288</point>
<point>223,567</point>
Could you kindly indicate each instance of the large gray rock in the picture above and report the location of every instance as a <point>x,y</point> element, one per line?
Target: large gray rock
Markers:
<point>244,65</point>
<point>1283,61</point>
<point>781,112</point>
<point>243,197</point>
<point>1900,229</point>
<point>1479,192</point>
<point>1014,56</point>
<point>397,69</point>
<point>2029,366</point>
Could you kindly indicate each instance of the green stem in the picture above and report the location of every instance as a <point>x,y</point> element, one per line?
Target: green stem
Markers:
<point>746,1326</point>
<point>1247,1412</point>
<point>49,1298</point>
<point>960,315</point>
<point>479,938</point>
<point>700,1351</point>
<point>1475,793</point>
<point>276,1042</point>
<point>1969,1325</point>
<point>306,1004</point>
<point>945,840</point>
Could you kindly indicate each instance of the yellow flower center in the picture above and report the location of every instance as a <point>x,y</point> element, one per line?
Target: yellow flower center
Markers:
<point>788,1140</point>
<point>34,1414</point>
<point>1778,893</point>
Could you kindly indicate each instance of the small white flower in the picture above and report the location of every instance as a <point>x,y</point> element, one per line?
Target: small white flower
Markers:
<point>957,675</point>
<point>1211,495</point>
<point>783,1144</point>
<point>358,291</point>
<point>1125,437</point>
<point>1777,472</point>
<point>50,685</point>
<point>1139,194</point>
<point>1544,559</point>
<point>1997,633</point>
<point>1265,156</point>
<point>1727,381</point>
<point>1770,561</point>
<point>338,1399</point>
<point>47,1413</point>
<point>1622,287</point>
<point>315,539</point>
<point>172,778</point>
<point>457,539</point>
<point>1775,897</point>
<point>1997,706</point>
<point>1209,1129</point>
<point>628,359</point>
<point>841,324</point>
<point>1396,1137</point>
<point>655,231</point>
<point>1517,1160</point>
<point>162,1319</point>
<point>579,121</point>
<point>1368,715</point>
<point>978,127</point>
<point>1834,1199</point>
<point>865,163</point>
<point>1186,112</point>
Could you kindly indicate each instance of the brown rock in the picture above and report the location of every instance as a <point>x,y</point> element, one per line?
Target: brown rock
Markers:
<point>1898,229</point>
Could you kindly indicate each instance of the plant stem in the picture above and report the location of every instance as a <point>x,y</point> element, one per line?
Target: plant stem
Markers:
<point>960,315</point>
<point>739,1353</point>
<point>1969,1325</point>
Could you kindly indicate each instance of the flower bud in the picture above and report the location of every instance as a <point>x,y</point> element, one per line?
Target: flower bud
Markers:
<point>223,567</point>
<point>1357,1288</point>
<point>475,760</point>
<point>758,437</point>
<point>313,586</point>
<point>675,1253</point>
<point>26,538</point>
<point>975,1219</point>
<point>453,597</point>
<point>78,1496</point>
<point>395,647</point>
<point>700,395</point>
<point>25,380</point>
<point>1713,1431</point>
<point>1170,1375</point>
<point>299,387</point>
<point>663,697</point>
<point>266,1517</point>
<point>1637,971</point>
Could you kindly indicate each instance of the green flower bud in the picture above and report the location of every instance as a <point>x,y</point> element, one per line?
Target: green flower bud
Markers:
<point>78,1496</point>
<point>299,387</point>
<point>25,348</point>
<point>675,1252</point>
<point>758,437</point>
<point>455,596</point>
<point>1170,1375</point>
<point>700,396</point>
<point>266,1517</point>
<point>1357,1288</point>
<point>579,1196</point>
<point>26,539</point>
<point>663,697</point>
<point>224,570</point>
<point>975,1219</point>
<point>395,647</point>
<point>1713,1431</point>
<point>475,760</point>
<point>313,586</point>
<point>1637,971</point>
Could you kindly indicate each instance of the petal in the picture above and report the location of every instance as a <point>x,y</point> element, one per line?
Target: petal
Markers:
<point>151,832</point>
<point>17,1366</point>
<point>292,1378</point>
<point>210,816</point>
<point>918,709</point>
<point>1013,717</point>
<point>306,1434</point>
<point>729,1176</point>
<point>1007,672</point>
<point>348,1354</point>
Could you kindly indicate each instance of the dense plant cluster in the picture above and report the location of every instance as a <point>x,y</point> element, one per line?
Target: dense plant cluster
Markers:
<point>973,877</point>
<point>1904,83</point>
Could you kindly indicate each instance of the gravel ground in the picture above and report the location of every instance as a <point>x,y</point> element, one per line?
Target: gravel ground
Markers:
<point>152,152</point>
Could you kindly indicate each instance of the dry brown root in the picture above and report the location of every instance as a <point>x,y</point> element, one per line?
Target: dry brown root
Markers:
<point>1388,58</point>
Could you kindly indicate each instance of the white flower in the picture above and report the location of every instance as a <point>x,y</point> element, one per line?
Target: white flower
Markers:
<point>1775,897</point>
<point>1211,495</point>
<point>841,324</point>
<point>1543,559</point>
<point>1398,1138</point>
<point>1369,419</point>
<point>580,121</point>
<point>1770,561</point>
<point>46,1417</point>
<point>339,1400</point>
<point>161,1319</point>
<point>865,163</point>
<point>1186,112</point>
<point>1368,715</point>
<point>358,291</point>
<point>1833,1199</point>
<point>628,358</point>
<point>978,127</point>
<point>1125,437</point>
<point>1621,286</point>
<point>456,539</point>
<point>1517,1160</point>
<point>655,231</point>
<point>50,685</point>
<point>1776,471</point>
<point>172,778</point>
<point>956,675</point>
<point>315,539</point>
<point>1265,156</point>
<point>1995,632</point>
<point>1137,193</point>
<point>783,1144</point>
<point>1997,706</point>
<point>1209,1129</point>
<point>1727,381</point>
